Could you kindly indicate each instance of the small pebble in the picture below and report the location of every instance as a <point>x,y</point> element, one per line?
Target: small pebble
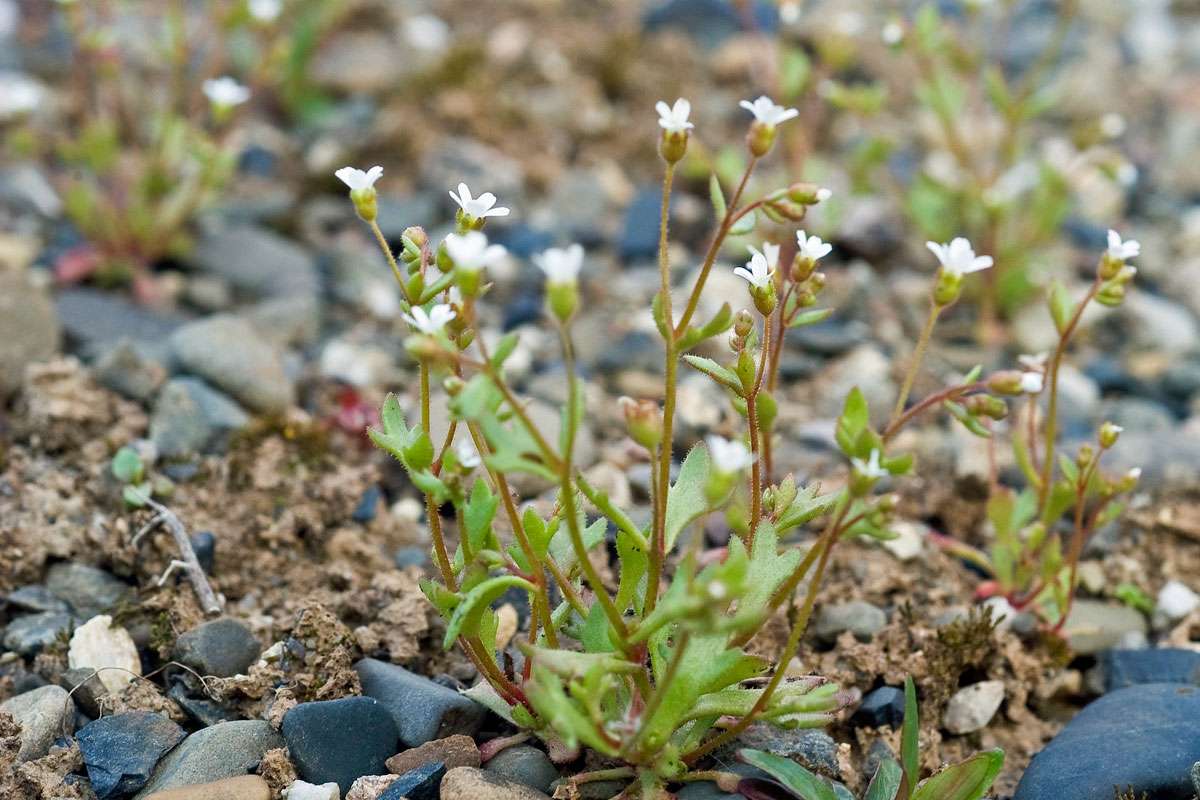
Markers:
<point>454,751</point>
<point>469,783</point>
<point>120,751</point>
<point>972,707</point>
<point>524,764</point>
<point>1176,600</point>
<point>243,787</point>
<point>422,710</point>
<point>100,645</point>
<point>883,706</point>
<point>303,790</point>
<point>369,787</point>
<point>222,647</point>
<point>340,740</point>
<point>857,616</point>
<point>417,784</point>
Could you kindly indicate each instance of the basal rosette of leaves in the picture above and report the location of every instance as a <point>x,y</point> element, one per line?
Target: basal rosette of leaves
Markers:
<point>650,671</point>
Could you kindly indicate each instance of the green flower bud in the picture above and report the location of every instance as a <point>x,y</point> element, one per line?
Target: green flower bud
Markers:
<point>1109,433</point>
<point>643,420</point>
<point>760,139</point>
<point>673,146</point>
<point>562,299</point>
<point>743,323</point>
<point>948,288</point>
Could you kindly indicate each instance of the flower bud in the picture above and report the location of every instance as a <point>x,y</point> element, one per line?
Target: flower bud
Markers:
<point>1130,480</point>
<point>746,370</point>
<point>783,211</point>
<point>673,145</point>
<point>416,235</point>
<point>737,343</point>
<point>743,323</point>
<point>453,385</point>
<point>765,298</point>
<point>816,282</point>
<point>985,405</point>
<point>562,298</point>
<point>643,420</point>
<point>1006,382</point>
<point>802,267</point>
<point>1109,433</point>
<point>1085,457</point>
<point>365,203</point>
<point>1111,295</point>
<point>808,194</point>
<point>760,139</point>
<point>948,287</point>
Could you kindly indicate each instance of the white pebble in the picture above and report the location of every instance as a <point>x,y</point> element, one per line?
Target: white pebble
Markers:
<point>1176,600</point>
<point>302,790</point>
<point>98,644</point>
<point>972,707</point>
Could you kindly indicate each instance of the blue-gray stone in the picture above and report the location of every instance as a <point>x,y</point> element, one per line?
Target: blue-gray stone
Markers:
<point>95,320</point>
<point>422,710</point>
<point>339,741</point>
<point>233,355</point>
<point>709,22</point>
<point>221,647</point>
<point>368,504</point>
<point>639,233</point>
<point>258,262</point>
<point>420,783</point>
<point>120,751</point>
<point>526,765</point>
<point>1142,737</point>
<point>30,634</point>
<point>205,545</point>
<point>1122,668</point>
<point>35,598</point>
<point>884,706</point>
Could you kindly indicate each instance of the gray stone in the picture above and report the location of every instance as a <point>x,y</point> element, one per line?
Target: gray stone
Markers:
<point>44,714</point>
<point>126,368</point>
<point>94,321</point>
<point>222,647</point>
<point>120,751</point>
<point>257,262</point>
<point>469,783</point>
<point>221,751</point>
<point>1094,625</point>
<point>857,616</point>
<point>1118,669</point>
<point>422,709</point>
<point>525,765</point>
<point>86,688</point>
<point>972,707</point>
<point>191,417</point>
<point>29,329</point>
<point>232,355</point>
<point>30,634</point>
<point>813,749</point>
<point>88,590</point>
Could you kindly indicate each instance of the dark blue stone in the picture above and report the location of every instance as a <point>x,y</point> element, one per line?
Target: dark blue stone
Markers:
<point>417,784</point>
<point>1142,737</point>
<point>422,710</point>
<point>524,309</point>
<point>120,751</point>
<point>639,233</point>
<point>365,512</point>
<point>1122,668</point>
<point>205,545</point>
<point>1084,234</point>
<point>884,706</point>
<point>255,160</point>
<point>339,741</point>
<point>522,240</point>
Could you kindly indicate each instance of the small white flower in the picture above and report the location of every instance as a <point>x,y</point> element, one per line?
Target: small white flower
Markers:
<point>1031,382</point>
<point>1134,474</point>
<point>674,119</point>
<point>433,322</point>
<point>358,180</point>
<point>225,91</point>
<point>871,468</point>
<point>470,251</point>
<point>761,267</point>
<point>468,456</point>
<point>1033,363</point>
<point>958,258</point>
<point>728,457</point>
<point>824,194</point>
<point>812,247</point>
<point>1119,250</point>
<point>561,264</point>
<point>478,207</point>
<point>892,33</point>
<point>265,10</point>
<point>766,112</point>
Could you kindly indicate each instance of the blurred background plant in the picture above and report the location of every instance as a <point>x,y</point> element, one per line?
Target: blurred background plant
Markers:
<point>146,138</point>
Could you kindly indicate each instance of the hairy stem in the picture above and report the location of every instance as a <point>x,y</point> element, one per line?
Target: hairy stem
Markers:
<point>918,356</point>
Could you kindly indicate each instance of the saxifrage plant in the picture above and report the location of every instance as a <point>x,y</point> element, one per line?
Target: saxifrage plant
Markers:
<point>654,675</point>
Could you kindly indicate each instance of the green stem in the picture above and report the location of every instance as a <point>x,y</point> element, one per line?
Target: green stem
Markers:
<point>828,540</point>
<point>918,356</point>
<point>755,448</point>
<point>1051,432</point>
<point>391,259</point>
